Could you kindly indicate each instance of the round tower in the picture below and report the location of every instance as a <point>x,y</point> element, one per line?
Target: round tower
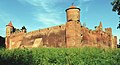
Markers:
<point>73,13</point>
<point>9,29</point>
<point>73,36</point>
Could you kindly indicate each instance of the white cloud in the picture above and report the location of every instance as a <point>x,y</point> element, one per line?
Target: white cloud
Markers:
<point>49,19</point>
<point>47,15</point>
<point>47,5</point>
<point>85,5</point>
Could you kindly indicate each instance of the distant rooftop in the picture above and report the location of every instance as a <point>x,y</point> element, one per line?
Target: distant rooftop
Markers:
<point>10,24</point>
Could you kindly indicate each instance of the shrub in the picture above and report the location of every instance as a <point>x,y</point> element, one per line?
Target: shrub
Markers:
<point>16,57</point>
<point>60,56</point>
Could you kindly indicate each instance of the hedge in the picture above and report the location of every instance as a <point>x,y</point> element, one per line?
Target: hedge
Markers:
<point>60,56</point>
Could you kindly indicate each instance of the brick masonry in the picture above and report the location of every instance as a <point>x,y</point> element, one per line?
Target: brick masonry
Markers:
<point>70,34</point>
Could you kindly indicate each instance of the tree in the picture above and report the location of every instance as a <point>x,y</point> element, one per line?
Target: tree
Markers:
<point>116,8</point>
<point>118,26</point>
<point>2,42</point>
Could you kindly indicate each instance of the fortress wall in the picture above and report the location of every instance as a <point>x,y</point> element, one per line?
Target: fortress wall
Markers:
<point>45,31</point>
<point>16,34</point>
<point>108,31</point>
<point>16,39</point>
<point>83,29</point>
<point>115,41</point>
<point>111,39</point>
<point>55,39</point>
<point>97,38</point>
<point>53,36</point>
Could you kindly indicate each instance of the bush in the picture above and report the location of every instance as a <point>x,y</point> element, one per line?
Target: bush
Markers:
<point>15,57</point>
<point>60,56</point>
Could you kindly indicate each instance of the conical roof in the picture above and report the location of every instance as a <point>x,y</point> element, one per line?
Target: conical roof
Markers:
<point>10,24</point>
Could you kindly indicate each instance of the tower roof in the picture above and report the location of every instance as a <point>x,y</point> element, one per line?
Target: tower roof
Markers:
<point>10,24</point>
<point>72,6</point>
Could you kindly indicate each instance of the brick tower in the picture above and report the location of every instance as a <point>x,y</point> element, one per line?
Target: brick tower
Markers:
<point>9,31</point>
<point>73,36</point>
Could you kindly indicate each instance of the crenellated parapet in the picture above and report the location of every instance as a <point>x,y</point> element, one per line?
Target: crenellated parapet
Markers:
<point>16,34</point>
<point>45,31</point>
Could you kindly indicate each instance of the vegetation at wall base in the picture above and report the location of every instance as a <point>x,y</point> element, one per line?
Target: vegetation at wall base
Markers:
<point>60,56</point>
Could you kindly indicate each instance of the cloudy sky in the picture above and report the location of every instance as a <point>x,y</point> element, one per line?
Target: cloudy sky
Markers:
<point>38,14</point>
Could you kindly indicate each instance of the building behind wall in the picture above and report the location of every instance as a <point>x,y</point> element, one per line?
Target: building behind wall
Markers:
<point>70,34</point>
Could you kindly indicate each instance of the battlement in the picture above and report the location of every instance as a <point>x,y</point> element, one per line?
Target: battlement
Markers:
<point>16,34</point>
<point>108,31</point>
<point>45,30</point>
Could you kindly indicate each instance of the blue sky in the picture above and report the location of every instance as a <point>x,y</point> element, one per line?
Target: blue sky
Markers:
<point>38,14</point>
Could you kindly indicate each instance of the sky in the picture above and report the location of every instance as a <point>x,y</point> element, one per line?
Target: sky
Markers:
<point>38,14</point>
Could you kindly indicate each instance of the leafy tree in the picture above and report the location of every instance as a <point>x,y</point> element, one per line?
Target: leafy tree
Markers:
<point>116,8</point>
<point>118,26</point>
<point>2,42</point>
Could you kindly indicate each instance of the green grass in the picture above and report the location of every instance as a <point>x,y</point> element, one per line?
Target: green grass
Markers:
<point>60,56</point>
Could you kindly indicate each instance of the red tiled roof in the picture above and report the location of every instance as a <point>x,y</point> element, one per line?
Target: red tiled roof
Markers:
<point>10,24</point>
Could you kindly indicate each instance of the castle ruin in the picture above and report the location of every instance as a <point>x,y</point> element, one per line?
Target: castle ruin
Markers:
<point>71,34</point>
